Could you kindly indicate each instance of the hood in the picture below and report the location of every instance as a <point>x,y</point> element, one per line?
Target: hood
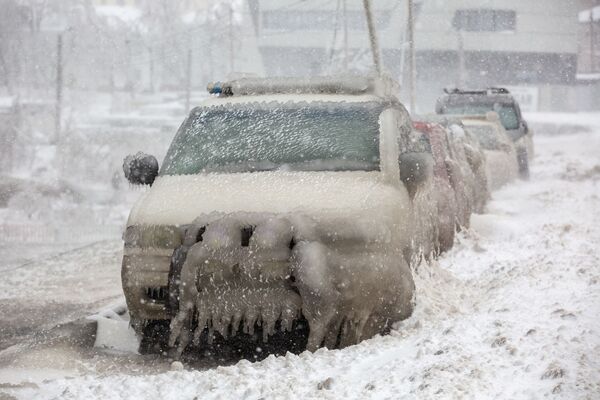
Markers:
<point>177,200</point>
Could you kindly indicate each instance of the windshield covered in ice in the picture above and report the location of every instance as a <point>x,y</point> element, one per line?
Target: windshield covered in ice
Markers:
<point>508,114</point>
<point>246,137</point>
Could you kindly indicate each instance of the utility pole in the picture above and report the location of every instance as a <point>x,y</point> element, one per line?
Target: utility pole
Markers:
<point>129,67</point>
<point>402,75</point>
<point>5,73</point>
<point>151,77</point>
<point>209,45</point>
<point>592,46</point>
<point>188,81</point>
<point>372,37</point>
<point>461,60</point>
<point>411,54</point>
<point>231,38</point>
<point>59,84</point>
<point>345,38</point>
<point>335,30</point>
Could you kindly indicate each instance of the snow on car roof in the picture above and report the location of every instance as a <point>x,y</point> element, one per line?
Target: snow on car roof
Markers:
<point>284,98</point>
<point>345,84</point>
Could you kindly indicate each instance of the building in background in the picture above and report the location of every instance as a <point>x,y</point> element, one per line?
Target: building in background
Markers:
<point>589,42</point>
<point>314,37</point>
<point>588,63</point>
<point>530,46</point>
<point>541,50</point>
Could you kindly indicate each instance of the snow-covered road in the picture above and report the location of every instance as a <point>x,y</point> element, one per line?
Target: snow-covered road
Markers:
<point>52,289</point>
<point>511,312</point>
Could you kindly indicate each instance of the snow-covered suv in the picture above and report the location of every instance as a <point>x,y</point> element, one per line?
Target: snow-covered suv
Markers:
<point>279,201</point>
<point>472,102</point>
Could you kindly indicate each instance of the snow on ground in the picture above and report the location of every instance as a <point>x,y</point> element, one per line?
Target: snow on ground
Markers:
<point>52,289</point>
<point>584,119</point>
<point>553,123</point>
<point>511,312</point>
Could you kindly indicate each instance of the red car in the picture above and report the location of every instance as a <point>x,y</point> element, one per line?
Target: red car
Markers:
<point>452,208</point>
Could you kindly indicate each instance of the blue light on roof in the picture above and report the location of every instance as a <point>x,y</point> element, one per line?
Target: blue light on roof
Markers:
<point>215,88</point>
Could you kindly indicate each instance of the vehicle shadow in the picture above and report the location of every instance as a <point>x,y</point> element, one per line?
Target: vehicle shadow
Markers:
<point>225,351</point>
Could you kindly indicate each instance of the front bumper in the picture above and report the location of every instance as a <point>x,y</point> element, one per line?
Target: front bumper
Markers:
<point>243,271</point>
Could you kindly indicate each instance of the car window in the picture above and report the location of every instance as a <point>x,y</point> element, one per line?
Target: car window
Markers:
<point>508,116</point>
<point>267,136</point>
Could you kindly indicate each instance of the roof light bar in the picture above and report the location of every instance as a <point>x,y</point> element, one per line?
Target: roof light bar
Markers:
<point>490,90</point>
<point>219,88</point>
<point>312,85</point>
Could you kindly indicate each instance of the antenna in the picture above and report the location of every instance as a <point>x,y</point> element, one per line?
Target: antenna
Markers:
<point>411,52</point>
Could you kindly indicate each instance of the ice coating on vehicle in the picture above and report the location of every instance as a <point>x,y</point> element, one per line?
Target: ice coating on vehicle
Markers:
<point>469,163</point>
<point>267,269</point>
<point>500,101</point>
<point>280,208</point>
<point>501,157</point>
<point>443,181</point>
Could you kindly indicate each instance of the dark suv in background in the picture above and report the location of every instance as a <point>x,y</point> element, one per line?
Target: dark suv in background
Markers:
<point>472,102</point>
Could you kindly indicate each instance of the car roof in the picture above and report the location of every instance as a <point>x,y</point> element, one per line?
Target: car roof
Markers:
<point>286,98</point>
<point>487,96</point>
<point>335,84</point>
<point>476,98</point>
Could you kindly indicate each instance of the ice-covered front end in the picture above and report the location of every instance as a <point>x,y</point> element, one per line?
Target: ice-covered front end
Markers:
<point>273,208</point>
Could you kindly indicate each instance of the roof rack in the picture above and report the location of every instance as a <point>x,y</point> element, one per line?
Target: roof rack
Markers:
<point>489,90</point>
<point>346,84</point>
<point>498,90</point>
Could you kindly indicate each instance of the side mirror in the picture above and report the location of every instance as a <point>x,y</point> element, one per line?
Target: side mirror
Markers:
<point>140,169</point>
<point>524,127</point>
<point>415,169</point>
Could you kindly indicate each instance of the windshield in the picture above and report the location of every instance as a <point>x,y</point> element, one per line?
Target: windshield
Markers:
<point>248,137</point>
<point>508,114</point>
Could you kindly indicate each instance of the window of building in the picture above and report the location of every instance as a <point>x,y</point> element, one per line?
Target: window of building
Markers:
<point>484,20</point>
<point>318,20</point>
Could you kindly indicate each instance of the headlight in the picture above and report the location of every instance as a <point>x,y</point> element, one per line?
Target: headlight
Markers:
<point>153,236</point>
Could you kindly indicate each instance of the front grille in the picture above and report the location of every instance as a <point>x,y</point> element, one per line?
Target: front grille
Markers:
<point>157,294</point>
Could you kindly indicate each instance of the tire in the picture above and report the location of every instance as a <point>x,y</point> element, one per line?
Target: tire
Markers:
<point>523,161</point>
<point>446,240</point>
<point>155,337</point>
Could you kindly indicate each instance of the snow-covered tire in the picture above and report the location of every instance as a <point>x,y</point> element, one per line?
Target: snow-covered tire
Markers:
<point>523,161</point>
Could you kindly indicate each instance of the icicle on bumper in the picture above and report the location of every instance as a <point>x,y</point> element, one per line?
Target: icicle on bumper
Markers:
<point>251,270</point>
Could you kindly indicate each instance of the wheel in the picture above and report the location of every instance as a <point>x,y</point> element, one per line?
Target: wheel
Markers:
<point>523,161</point>
<point>155,337</point>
